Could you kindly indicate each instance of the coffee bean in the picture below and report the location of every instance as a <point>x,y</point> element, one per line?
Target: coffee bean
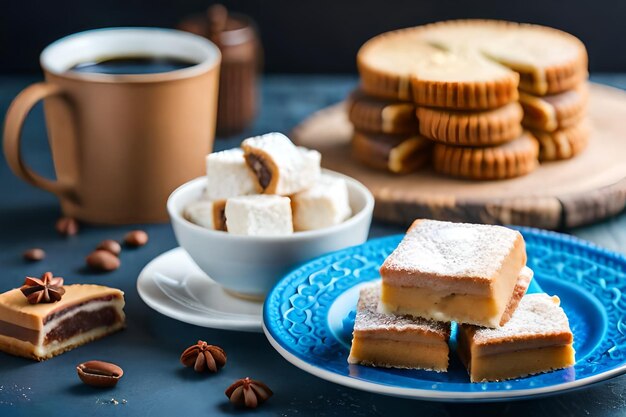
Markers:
<point>102,260</point>
<point>67,226</point>
<point>136,238</point>
<point>99,374</point>
<point>34,254</point>
<point>110,246</point>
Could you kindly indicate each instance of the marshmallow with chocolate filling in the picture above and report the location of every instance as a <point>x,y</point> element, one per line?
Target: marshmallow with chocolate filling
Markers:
<point>279,166</point>
<point>228,176</point>
<point>208,214</point>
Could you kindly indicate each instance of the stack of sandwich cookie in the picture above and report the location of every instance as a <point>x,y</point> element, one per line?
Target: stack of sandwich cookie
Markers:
<point>475,275</point>
<point>269,187</point>
<point>386,134</point>
<point>474,84</point>
<point>558,121</point>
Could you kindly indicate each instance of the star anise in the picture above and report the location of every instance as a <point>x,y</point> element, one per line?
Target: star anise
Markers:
<point>47,289</point>
<point>248,393</point>
<point>204,357</point>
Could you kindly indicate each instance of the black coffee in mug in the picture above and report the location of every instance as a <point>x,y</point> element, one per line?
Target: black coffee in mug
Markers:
<point>132,65</point>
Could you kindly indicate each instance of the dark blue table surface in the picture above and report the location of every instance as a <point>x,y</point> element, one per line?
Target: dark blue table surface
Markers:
<point>154,382</point>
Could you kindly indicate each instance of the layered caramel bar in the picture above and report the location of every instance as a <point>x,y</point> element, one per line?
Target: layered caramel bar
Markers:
<point>390,341</point>
<point>536,339</point>
<point>459,272</point>
<point>41,331</point>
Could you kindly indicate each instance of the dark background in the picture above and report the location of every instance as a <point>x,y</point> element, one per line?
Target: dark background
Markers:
<point>305,36</point>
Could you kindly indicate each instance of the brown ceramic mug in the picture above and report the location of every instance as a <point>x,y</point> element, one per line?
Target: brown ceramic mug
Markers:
<point>120,143</point>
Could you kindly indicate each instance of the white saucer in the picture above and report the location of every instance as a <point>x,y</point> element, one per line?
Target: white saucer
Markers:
<point>173,285</point>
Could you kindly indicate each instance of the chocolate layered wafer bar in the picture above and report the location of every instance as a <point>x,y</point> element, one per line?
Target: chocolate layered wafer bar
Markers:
<point>41,331</point>
<point>536,339</point>
<point>468,273</point>
<point>392,341</point>
<point>279,166</point>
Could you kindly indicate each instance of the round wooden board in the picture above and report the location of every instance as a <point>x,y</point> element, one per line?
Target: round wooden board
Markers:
<point>557,195</point>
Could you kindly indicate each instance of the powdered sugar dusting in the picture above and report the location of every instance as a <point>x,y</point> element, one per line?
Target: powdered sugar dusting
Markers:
<point>368,317</point>
<point>536,315</point>
<point>299,168</point>
<point>453,249</point>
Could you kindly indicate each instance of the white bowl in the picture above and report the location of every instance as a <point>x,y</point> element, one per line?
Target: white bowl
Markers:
<point>251,265</point>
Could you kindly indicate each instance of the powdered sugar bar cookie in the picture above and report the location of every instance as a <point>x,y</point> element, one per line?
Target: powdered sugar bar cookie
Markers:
<point>259,215</point>
<point>467,273</point>
<point>228,175</point>
<point>396,341</point>
<point>279,166</point>
<point>536,339</point>
<point>325,204</point>
<point>209,214</point>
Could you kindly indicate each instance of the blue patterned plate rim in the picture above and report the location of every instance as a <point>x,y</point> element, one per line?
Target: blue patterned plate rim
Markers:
<point>297,322</point>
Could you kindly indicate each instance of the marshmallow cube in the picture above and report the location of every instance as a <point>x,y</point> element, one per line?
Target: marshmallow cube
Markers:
<point>259,215</point>
<point>323,205</point>
<point>279,166</point>
<point>228,175</point>
<point>208,214</point>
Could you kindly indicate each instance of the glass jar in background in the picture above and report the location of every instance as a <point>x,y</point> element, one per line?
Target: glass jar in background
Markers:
<point>242,57</point>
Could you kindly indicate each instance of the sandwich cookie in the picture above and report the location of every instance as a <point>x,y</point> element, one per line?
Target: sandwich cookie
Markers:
<point>563,143</point>
<point>556,111</point>
<point>374,115</point>
<point>479,128</point>
<point>471,64</point>
<point>512,159</point>
<point>399,154</point>
<point>548,60</point>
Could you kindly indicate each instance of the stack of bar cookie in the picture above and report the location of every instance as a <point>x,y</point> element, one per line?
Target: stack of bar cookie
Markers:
<point>466,88</point>
<point>476,276</point>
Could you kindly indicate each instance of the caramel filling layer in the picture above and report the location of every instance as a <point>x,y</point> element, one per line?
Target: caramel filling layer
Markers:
<point>19,332</point>
<point>509,365</point>
<point>441,306</point>
<point>399,354</point>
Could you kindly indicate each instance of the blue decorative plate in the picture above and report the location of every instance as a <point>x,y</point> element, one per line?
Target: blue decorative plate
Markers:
<point>308,318</point>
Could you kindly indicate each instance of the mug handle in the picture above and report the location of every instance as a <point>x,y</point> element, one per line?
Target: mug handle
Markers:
<point>15,117</point>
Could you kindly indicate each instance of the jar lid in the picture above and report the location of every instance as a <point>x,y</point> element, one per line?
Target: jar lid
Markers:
<point>223,28</point>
